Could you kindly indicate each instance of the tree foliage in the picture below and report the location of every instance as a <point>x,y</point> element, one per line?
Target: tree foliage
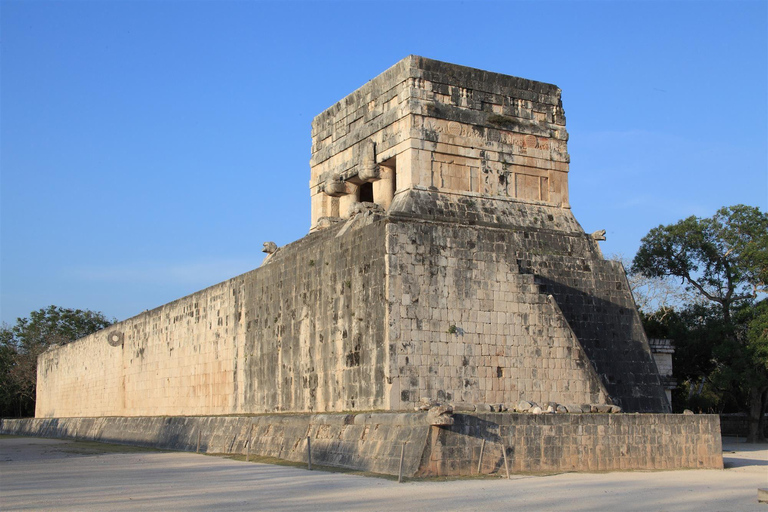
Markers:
<point>724,258</point>
<point>659,296</point>
<point>721,341</point>
<point>22,343</point>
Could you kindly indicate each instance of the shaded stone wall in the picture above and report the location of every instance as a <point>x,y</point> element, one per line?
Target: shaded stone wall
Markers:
<point>573,442</point>
<point>365,442</point>
<point>373,442</point>
<point>467,326</point>
<point>514,255</point>
<point>595,298</point>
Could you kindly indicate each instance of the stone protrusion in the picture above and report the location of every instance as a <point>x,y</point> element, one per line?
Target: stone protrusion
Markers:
<point>426,404</point>
<point>335,187</point>
<point>270,248</point>
<point>523,406</point>
<point>368,169</point>
<point>364,207</point>
<point>441,415</point>
<point>326,222</point>
<point>115,338</point>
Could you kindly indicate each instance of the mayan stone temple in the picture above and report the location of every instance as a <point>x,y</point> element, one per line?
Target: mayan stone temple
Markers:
<point>444,298</point>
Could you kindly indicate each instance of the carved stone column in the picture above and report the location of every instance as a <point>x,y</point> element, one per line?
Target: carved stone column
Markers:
<point>384,188</point>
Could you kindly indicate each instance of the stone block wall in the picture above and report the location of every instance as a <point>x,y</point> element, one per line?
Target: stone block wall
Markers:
<point>374,442</point>
<point>380,313</point>
<point>364,442</point>
<point>315,325</point>
<point>512,256</point>
<point>177,359</point>
<point>489,134</point>
<point>467,326</point>
<point>572,442</point>
<point>305,332</point>
<point>596,300</point>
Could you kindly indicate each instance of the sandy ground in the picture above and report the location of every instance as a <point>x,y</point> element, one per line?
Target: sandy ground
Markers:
<point>46,474</point>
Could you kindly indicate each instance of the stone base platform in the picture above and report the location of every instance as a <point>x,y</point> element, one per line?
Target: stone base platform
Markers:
<point>374,441</point>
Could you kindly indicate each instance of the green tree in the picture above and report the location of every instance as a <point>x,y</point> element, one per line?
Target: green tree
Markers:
<point>725,260</point>
<point>756,362</point>
<point>22,343</point>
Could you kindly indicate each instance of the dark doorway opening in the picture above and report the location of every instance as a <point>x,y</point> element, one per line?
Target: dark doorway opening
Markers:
<point>365,193</point>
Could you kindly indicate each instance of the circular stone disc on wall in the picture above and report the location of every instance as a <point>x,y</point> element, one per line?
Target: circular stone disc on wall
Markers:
<point>115,338</point>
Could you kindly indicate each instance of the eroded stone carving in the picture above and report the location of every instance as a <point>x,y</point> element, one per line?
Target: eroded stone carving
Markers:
<point>325,222</point>
<point>599,235</point>
<point>335,187</point>
<point>115,338</point>
<point>364,207</point>
<point>368,169</point>
<point>270,248</point>
<point>441,415</point>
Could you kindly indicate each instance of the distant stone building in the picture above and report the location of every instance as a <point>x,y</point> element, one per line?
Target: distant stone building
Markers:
<point>662,350</point>
<point>443,264</point>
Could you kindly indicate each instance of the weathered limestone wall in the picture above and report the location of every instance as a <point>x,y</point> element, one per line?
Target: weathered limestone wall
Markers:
<point>373,314</point>
<point>372,442</point>
<point>177,359</point>
<point>315,325</point>
<point>595,298</point>
<point>489,134</point>
<point>305,332</point>
<point>503,260</point>
<point>468,326</point>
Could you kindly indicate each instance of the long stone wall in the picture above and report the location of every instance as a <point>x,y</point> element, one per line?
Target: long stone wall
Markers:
<point>305,332</point>
<point>365,442</point>
<point>373,442</point>
<point>380,313</point>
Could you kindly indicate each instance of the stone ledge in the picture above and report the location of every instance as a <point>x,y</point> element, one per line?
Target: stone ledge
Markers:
<point>373,441</point>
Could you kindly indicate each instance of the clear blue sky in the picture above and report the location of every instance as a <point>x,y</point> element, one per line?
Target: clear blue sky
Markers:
<point>148,148</point>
